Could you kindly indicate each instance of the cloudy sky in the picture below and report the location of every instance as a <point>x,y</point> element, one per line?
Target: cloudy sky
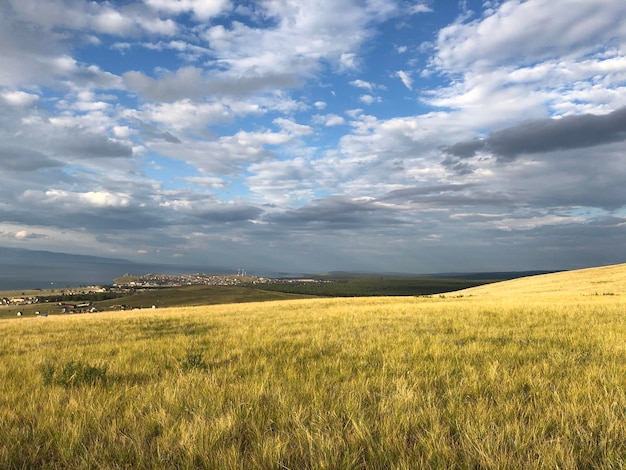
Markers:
<point>316,135</point>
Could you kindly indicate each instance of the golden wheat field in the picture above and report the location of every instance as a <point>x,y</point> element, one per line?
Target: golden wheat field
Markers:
<point>524,374</point>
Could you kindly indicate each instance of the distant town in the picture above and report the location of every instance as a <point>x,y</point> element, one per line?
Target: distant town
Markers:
<point>178,280</point>
<point>81,299</point>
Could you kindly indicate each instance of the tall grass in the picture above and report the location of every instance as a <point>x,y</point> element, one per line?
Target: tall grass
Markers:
<point>346,383</point>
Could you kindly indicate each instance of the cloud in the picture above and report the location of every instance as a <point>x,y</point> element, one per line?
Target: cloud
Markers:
<point>223,128</point>
<point>194,83</point>
<point>420,7</point>
<point>19,98</point>
<point>229,155</point>
<point>305,34</point>
<point>68,199</point>
<point>369,99</point>
<point>151,133</point>
<point>527,32</point>
<point>547,135</point>
<point>81,15</point>
<point>283,182</point>
<point>333,120</point>
<point>418,193</point>
<point>406,79</point>
<point>22,159</point>
<point>337,212</point>
<point>224,213</point>
<point>362,84</point>
<point>86,145</point>
<point>26,235</point>
<point>201,9</point>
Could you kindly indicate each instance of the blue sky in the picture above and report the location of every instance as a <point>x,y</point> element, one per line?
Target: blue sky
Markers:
<point>373,135</point>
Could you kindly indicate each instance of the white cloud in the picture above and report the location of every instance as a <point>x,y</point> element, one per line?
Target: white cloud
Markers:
<point>282,182</point>
<point>530,31</point>
<point>328,120</point>
<point>369,99</point>
<point>420,7</point>
<point>406,79</point>
<point>230,155</point>
<point>362,84</point>
<point>334,120</point>
<point>185,114</point>
<point>292,127</point>
<point>75,201</point>
<point>102,17</point>
<point>19,98</point>
<point>201,9</point>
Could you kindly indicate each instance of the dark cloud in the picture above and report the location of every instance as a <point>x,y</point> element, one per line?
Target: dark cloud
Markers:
<point>419,192</point>
<point>545,135</point>
<point>228,213</point>
<point>92,218</point>
<point>597,241</point>
<point>21,160</point>
<point>151,133</point>
<point>339,213</point>
<point>450,196</point>
<point>465,149</point>
<point>192,82</point>
<point>89,145</point>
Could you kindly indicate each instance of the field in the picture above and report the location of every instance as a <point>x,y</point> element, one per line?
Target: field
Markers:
<point>178,296</point>
<point>338,285</point>
<point>364,285</point>
<point>474,379</point>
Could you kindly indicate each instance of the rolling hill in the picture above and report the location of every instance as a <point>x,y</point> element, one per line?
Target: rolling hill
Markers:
<point>603,280</point>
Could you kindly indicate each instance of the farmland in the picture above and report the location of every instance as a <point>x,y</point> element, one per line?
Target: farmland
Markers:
<point>479,378</point>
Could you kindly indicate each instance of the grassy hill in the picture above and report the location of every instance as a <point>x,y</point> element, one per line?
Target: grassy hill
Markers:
<point>604,280</point>
<point>490,381</point>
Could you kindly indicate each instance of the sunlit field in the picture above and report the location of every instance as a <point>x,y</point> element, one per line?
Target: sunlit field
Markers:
<point>459,381</point>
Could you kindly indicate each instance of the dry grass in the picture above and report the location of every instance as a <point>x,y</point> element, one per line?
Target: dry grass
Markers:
<point>605,280</point>
<point>471,382</point>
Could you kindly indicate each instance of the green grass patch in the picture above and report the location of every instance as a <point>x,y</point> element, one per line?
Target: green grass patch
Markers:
<point>371,285</point>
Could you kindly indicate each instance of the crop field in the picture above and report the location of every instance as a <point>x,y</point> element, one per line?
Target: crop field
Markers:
<point>474,379</point>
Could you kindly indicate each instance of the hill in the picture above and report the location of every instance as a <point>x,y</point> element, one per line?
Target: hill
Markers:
<point>22,269</point>
<point>371,382</point>
<point>603,280</point>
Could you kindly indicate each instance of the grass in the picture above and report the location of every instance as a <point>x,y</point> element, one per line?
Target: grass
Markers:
<point>398,382</point>
<point>341,285</point>
<point>364,285</point>
<point>167,297</point>
<point>604,280</point>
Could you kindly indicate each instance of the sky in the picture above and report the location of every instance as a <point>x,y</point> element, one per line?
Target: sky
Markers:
<point>316,135</point>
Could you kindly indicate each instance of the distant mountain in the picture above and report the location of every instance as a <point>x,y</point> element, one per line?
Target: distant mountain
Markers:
<point>28,269</point>
<point>23,257</point>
